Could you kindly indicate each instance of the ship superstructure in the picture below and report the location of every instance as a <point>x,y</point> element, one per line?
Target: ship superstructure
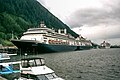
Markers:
<point>49,36</point>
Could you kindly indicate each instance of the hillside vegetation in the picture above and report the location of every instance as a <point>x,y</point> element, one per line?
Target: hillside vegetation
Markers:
<point>16,16</point>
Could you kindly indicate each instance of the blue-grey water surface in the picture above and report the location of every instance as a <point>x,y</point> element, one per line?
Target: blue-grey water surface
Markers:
<point>95,64</point>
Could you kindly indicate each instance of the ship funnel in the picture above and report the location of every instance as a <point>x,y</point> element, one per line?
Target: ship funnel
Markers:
<point>65,31</point>
<point>59,31</point>
<point>42,24</point>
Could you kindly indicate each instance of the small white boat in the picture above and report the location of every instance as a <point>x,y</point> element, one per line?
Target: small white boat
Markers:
<point>35,69</point>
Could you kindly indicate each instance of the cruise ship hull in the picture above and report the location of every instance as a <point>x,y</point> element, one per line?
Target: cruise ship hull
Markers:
<point>33,46</point>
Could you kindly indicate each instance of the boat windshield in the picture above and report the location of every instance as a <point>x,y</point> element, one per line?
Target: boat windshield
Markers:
<point>33,63</point>
<point>48,76</point>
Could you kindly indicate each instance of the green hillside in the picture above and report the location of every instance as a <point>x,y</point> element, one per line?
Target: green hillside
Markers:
<point>16,16</point>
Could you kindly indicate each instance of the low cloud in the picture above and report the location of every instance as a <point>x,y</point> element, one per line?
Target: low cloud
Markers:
<point>93,17</point>
<point>94,23</point>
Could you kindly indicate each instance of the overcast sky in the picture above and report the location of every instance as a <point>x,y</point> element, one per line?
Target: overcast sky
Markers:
<point>96,20</point>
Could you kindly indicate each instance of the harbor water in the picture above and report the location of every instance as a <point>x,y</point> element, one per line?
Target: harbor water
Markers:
<point>94,64</point>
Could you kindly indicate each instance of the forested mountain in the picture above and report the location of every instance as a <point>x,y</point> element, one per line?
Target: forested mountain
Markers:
<point>16,16</point>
